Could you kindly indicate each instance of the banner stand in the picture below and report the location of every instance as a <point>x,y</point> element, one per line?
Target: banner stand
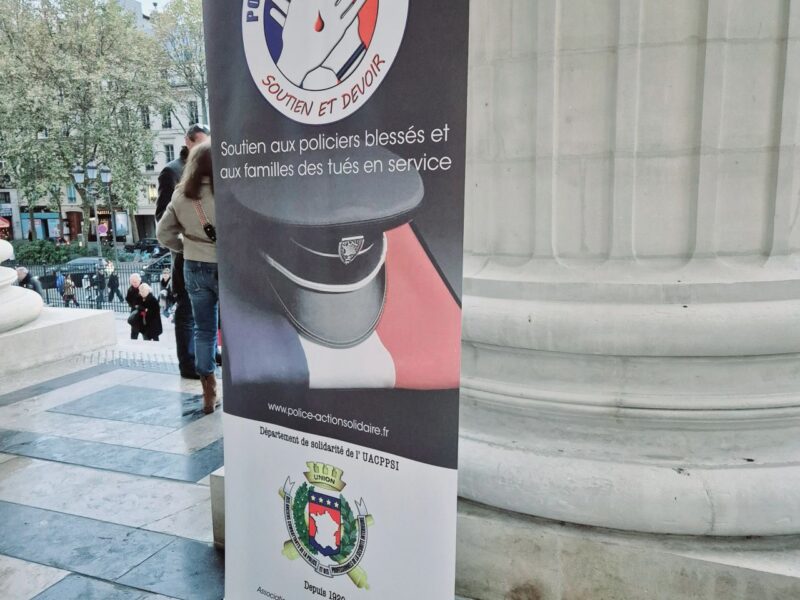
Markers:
<point>339,132</point>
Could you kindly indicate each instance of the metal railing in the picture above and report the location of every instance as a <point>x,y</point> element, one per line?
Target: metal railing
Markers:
<point>92,288</point>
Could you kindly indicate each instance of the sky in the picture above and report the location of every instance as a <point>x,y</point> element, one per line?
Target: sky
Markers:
<point>147,5</point>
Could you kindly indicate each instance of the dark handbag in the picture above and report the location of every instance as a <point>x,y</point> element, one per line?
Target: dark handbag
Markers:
<point>133,318</point>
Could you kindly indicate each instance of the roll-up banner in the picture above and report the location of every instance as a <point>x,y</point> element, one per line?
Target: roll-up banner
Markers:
<point>338,130</point>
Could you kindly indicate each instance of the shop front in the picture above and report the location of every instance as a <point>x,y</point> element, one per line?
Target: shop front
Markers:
<point>46,225</point>
<point>6,222</point>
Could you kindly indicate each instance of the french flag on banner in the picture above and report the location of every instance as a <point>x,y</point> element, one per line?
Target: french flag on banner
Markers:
<point>416,344</point>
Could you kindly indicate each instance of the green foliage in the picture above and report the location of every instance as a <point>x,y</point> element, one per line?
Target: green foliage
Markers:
<point>299,514</point>
<point>349,531</point>
<point>75,74</point>
<point>45,252</point>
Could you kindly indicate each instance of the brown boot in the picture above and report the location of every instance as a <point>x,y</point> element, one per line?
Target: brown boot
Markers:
<point>209,383</point>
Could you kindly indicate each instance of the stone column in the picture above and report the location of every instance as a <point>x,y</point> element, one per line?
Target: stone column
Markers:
<point>18,306</point>
<point>632,292</point>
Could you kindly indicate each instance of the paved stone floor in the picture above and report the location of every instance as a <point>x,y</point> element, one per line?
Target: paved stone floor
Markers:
<point>104,464</point>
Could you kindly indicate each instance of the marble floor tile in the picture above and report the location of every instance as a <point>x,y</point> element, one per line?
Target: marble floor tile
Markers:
<point>51,397</point>
<point>185,569</point>
<point>193,523</point>
<point>28,378</point>
<point>78,587</point>
<point>22,580</point>
<point>30,388</point>
<point>11,439</point>
<point>110,457</point>
<point>137,405</point>
<point>74,543</point>
<point>193,437</point>
<point>196,466</point>
<point>114,497</point>
<point>168,382</point>
<point>85,428</point>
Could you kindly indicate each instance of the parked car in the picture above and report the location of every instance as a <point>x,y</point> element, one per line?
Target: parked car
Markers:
<point>85,264</point>
<point>152,272</point>
<point>78,268</point>
<point>148,245</point>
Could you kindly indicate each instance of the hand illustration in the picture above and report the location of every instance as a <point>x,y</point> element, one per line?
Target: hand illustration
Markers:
<point>349,43</point>
<point>311,30</point>
<point>326,76</point>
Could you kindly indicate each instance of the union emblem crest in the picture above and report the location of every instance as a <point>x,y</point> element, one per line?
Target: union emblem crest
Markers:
<point>323,528</point>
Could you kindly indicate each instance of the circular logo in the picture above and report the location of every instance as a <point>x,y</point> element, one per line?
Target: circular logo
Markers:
<point>319,61</point>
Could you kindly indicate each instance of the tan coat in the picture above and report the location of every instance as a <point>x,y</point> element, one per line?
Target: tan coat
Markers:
<point>180,229</point>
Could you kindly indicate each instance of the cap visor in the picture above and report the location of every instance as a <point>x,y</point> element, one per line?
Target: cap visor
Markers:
<point>337,320</point>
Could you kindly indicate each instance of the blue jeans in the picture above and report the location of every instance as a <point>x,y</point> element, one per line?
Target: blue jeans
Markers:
<point>184,333</point>
<point>203,289</point>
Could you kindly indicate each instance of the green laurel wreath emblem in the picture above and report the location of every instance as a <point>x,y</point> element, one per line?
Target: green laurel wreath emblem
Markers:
<point>353,528</point>
<point>349,525</point>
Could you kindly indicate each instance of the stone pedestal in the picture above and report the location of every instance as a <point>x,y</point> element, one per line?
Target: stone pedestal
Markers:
<point>17,305</point>
<point>632,293</point>
<point>56,334</point>
<point>31,335</point>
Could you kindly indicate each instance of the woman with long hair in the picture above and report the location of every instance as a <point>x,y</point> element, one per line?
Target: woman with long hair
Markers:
<point>188,227</point>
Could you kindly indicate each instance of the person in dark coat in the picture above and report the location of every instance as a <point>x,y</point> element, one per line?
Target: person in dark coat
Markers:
<point>99,285</point>
<point>113,285</point>
<point>151,314</point>
<point>134,300</point>
<point>182,316</point>
<point>26,280</point>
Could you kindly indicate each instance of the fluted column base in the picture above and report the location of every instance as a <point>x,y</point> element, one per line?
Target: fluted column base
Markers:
<point>639,397</point>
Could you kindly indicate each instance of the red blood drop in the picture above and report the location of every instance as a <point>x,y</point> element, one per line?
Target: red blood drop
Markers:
<point>320,24</point>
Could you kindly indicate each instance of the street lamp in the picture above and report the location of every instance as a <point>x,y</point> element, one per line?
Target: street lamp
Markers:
<point>79,175</point>
<point>105,177</point>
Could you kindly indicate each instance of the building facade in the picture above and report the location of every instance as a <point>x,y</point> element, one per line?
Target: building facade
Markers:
<point>169,131</point>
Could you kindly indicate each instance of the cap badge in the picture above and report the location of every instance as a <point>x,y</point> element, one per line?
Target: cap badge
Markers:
<point>350,247</point>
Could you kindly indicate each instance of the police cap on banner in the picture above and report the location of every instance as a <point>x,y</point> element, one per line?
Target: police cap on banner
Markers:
<point>323,237</point>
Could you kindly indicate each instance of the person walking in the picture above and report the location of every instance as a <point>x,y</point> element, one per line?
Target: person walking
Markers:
<point>113,285</point>
<point>134,300</point>
<point>187,227</point>
<point>69,292</point>
<point>60,283</point>
<point>99,285</point>
<point>182,315</point>
<point>166,291</point>
<point>150,314</point>
<point>27,280</point>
